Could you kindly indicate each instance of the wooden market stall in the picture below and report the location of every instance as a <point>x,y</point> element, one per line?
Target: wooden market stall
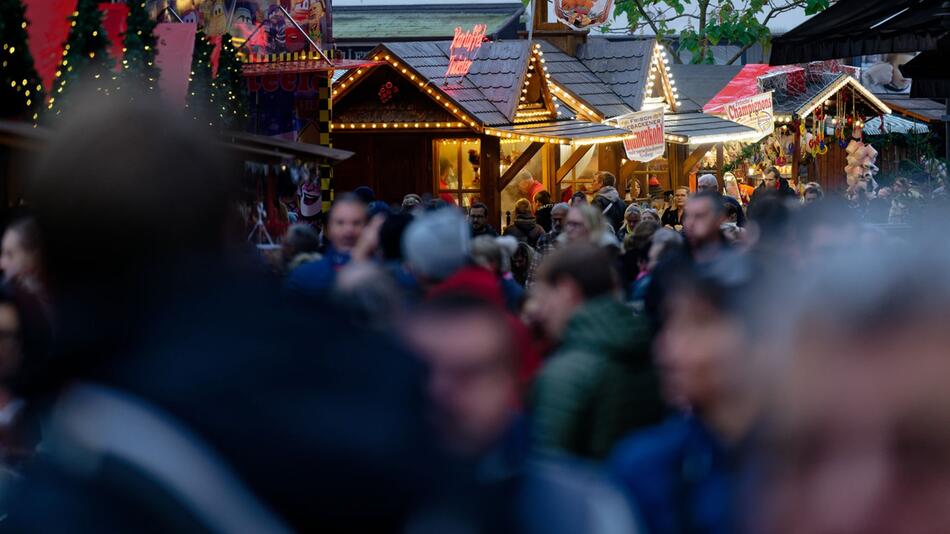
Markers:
<point>520,109</point>
<point>489,131</point>
<point>817,109</point>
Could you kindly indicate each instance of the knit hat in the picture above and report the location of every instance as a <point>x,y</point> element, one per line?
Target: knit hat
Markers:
<point>437,243</point>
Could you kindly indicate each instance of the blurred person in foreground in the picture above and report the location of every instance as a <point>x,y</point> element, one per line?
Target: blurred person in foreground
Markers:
<point>857,438</point>
<point>301,245</point>
<point>345,223</point>
<point>705,215</point>
<point>436,245</point>
<point>600,382</point>
<point>684,474</point>
<point>490,254</point>
<point>473,356</point>
<point>182,394</point>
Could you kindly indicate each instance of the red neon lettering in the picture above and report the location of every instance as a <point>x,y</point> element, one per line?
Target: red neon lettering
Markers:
<point>463,49</point>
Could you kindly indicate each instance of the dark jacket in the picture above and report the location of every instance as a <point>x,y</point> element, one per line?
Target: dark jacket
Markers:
<point>599,385</point>
<point>782,190</point>
<point>526,230</point>
<point>608,201</point>
<point>543,216</point>
<point>486,230</point>
<point>680,478</point>
<point>672,217</point>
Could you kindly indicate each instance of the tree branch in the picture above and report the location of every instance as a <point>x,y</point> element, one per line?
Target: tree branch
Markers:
<point>774,11</point>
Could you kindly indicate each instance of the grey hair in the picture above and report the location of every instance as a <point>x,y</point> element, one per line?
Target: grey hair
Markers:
<point>561,206</point>
<point>630,209</point>
<point>707,179</point>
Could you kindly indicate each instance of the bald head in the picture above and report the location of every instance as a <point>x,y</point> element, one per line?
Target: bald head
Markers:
<point>707,183</point>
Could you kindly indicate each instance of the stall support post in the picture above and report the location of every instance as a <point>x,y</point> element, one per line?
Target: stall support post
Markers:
<point>490,175</point>
<point>720,163</point>
<point>796,154</point>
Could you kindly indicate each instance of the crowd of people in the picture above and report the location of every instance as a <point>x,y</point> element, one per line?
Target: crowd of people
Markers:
<point>761,363</point>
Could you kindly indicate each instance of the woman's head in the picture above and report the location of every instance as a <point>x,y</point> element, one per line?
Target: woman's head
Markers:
<point>632,216</point>
<point>21,252</point>
<point>649,214</point>
<point>522,258</point>
<point>583,223</point>
<point>679,197</point>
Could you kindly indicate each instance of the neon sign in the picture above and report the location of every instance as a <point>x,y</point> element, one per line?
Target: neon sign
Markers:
<point>463,50</point>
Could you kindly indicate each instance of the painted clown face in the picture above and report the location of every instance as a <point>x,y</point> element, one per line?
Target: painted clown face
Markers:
<point>309,195</point>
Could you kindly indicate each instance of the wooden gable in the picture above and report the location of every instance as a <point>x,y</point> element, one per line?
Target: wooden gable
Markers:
<point>535,102</point>
<point>660,89</point>
<point>384,95</point>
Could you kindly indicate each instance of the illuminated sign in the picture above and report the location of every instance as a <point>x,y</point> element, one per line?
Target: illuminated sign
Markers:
<point>649,142</point>
<point>463,50</point>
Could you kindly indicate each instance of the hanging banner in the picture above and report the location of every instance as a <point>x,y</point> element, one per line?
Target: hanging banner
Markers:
<point>649,142</point>
<point>114,22</point>
<point>48,30</point>
<point>583,14</point>
<point>753,111</point>
<point>175,44</point>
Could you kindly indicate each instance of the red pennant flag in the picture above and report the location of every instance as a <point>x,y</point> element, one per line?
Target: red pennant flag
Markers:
<point>47,32</point>
<point>114,22</point>
<point>175,46</point>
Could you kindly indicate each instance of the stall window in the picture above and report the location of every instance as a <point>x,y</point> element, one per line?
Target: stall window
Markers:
<point>457,171</point>
<point>527,184</point>
<point>582,175</point>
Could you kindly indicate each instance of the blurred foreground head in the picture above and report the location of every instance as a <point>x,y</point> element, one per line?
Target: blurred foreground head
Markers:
<point>125,187</point>
<point>859,439</point>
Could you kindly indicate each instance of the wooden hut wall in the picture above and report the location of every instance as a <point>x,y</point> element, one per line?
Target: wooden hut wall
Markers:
<point>828,170</point>
<point>394,165</point>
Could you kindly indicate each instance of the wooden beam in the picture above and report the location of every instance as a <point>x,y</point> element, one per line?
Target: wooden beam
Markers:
<point>720,162</point>
<point>797,154</point>
<point>571,162</point>
<point>519,164</point>
<point>694,158</point>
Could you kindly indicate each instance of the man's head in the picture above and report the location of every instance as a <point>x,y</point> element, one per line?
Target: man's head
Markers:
<point>543,198</point>
<point>858,441</point>
<point>569,277</point>
<point>603,179</point>
<point>478,216</point>
<point>437,244</point>
<point>345,222</point>
<point>469,348</point>
<point>707,183</point>
<point>558,214</point>
<point>578,198</point>
<point>813,193</point>
<point>523,208</point>
<point>701,346</point>
<point>525,183</point>
<point>705,213</point>
<point>680,196</point>
<point>770,177</point>
<point>650,214</point>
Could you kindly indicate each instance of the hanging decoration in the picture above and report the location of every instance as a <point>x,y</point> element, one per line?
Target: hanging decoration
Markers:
<point>583,14</point>
<point>48,27</point>
<point>176,45</point>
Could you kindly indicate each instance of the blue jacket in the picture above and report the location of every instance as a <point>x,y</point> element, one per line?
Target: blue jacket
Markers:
<point>314,279</point>
<point>680,477</point>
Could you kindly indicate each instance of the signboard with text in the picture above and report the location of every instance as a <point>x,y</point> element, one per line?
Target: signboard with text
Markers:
<point>464,48</point>
<point>753,111</point>
<point>647,126</point>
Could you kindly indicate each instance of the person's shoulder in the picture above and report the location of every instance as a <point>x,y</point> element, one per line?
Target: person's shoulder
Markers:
<point>652,446</point>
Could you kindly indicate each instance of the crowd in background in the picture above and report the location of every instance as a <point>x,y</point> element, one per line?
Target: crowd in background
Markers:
<point>752,361</point>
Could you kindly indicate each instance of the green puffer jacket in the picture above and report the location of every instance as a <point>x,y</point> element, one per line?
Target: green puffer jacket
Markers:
<point>599,385</point>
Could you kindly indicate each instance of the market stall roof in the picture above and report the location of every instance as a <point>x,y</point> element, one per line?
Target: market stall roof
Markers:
<point>814,88</point>
<point>418,21</point>
<point>609,75</point>
<point>297,62</point>
<point>698,128</point>
<point>572,75</point>
<point>277,149</point>
<point>894,124</point>
<point>490,90</point>
<point>929,72</point>
<point>572,132</point>
<point>852,28</point>
<point>698,84</point>
<point>923,109</point>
